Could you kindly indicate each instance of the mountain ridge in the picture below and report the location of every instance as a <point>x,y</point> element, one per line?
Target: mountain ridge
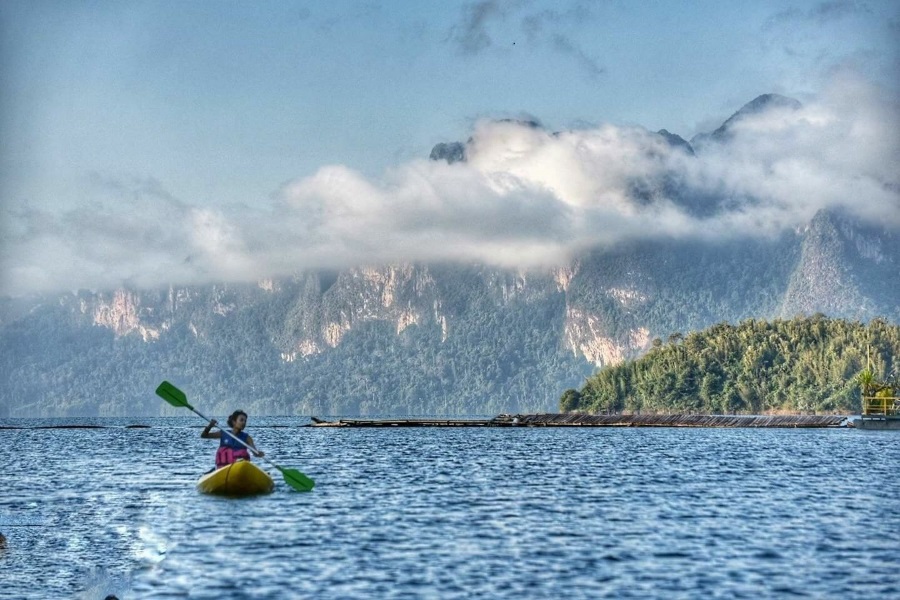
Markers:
<point>415,338</point>
<point>759,105</point>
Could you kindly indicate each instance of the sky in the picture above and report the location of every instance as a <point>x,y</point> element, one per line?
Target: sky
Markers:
<point>164,142</point>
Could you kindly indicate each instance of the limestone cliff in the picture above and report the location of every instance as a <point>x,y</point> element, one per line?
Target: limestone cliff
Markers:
<point>122,313</point>
<point>844,270</point>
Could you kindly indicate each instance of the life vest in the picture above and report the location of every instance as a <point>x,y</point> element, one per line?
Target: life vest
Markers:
<point>230,449</point>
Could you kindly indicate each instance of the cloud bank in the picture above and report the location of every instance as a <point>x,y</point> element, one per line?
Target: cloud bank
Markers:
<point>524,197</point>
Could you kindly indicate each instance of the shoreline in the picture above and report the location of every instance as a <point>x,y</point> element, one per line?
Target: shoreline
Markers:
<point>529,420</point>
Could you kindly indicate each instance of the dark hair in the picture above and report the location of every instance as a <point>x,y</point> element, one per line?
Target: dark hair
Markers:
<point>234,416</point>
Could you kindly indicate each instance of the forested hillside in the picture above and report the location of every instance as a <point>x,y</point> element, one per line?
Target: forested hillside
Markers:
<point>430,341</point>
<point>756,366</point>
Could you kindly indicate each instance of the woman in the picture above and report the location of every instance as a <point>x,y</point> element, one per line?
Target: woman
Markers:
<point>230,449</point>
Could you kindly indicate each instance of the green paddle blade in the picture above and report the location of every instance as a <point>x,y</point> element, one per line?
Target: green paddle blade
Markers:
<point>172,395</point>
<point>297,480</point>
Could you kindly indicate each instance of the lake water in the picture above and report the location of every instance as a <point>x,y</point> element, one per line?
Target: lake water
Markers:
<point>454,513</point>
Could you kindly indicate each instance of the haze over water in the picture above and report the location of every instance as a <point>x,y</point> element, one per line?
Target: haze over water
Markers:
<point>454,513</point>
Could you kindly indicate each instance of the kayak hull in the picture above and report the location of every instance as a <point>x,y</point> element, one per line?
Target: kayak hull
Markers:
<point>241,478</point>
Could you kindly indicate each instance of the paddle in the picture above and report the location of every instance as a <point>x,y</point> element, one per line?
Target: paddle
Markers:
<point>176,397</point>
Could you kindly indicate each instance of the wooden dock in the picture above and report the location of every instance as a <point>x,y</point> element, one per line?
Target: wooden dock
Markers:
<point>584,420</point>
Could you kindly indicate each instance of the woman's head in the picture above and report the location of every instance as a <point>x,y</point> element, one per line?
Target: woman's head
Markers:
<point>238,418</point>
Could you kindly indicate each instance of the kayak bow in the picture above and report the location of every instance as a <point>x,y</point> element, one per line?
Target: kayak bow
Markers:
<point>241,478</point>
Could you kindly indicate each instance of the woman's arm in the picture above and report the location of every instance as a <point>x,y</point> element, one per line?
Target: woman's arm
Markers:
<point>253,447</point>
<point>206,433</point>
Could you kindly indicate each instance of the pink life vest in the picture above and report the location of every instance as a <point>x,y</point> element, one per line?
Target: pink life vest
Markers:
<point>229,450</point>
<point>226,456</point>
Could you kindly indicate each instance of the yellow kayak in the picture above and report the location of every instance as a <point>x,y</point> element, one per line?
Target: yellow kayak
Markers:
<point>241,478</point>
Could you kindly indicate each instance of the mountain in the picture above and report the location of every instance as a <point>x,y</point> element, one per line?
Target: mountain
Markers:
<point>759,105</point>
<point>433,338</point>
<point>424,339</point>
<point>416,339</point>
<point>676,141</point>
<point>844,264</point>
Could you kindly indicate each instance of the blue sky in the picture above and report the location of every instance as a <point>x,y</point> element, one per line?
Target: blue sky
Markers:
<point>219,111</point>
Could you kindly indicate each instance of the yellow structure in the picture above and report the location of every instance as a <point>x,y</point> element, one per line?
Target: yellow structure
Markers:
<point>881,405</point>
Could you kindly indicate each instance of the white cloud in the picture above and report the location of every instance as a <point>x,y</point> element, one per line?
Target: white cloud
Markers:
<point>525,197</point>
<point>838,151</point>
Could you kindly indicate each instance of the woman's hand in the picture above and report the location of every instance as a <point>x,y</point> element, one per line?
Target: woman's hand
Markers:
<point>205,433</point>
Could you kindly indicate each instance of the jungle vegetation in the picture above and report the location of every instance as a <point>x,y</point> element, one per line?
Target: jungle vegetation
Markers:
<point>807,364</point>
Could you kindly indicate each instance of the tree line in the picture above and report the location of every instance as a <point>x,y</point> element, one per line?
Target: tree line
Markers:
<point>801,364</point>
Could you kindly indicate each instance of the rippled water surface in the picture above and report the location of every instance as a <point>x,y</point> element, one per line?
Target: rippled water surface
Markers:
<point>454,513</point>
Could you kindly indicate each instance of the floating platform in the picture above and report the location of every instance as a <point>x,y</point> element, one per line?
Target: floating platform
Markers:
<point>879,413</point>
<point>584,420</point>
<point>877,424</point>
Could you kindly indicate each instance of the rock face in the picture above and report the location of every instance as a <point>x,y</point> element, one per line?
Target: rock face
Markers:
<point>844,270</point>
<point>402,295</point>
<point>676,141</point>
<point>120,314</point>
<point>586,336</point>
<point>452,152</point>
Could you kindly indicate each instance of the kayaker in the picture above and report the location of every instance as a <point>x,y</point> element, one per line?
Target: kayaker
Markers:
<point>230,449</point>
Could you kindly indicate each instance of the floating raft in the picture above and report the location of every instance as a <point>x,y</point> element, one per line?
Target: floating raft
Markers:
<point>584,420</point>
